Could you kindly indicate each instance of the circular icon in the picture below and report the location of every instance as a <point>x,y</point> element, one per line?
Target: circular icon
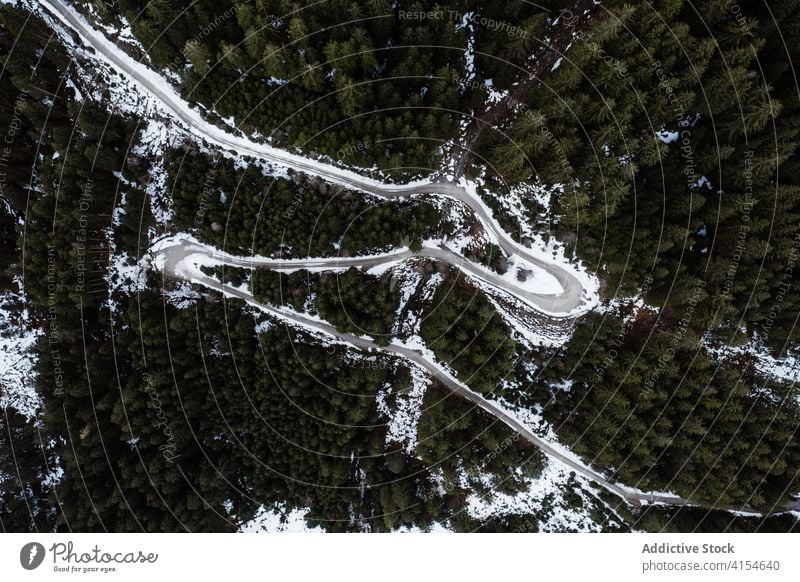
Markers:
<point>31,555</point>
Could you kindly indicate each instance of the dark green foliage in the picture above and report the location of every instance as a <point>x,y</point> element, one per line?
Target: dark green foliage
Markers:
<point>135,219</point>
<point>351,80</point>
<point>646,401</point>
<point>164,419</point>
<point>9,252</point>
<point>690,519</point>
<point>25,460</point>
<point>275,288</point>
<point>705,227</point>
<point>287,218</point>
<point>466,332</point>
<point>352,301</point>
<point>711,204</point>
<point>233,276</point>
<point>360,303</point>
<point>458,438</point>
<point>168,419</point>
<point>265,419</point>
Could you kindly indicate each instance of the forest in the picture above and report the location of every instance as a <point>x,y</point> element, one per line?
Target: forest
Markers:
<point>147,439</point>
<point>678,162</point>
<point>465,331</point>
<point>671,130</point>
<point>679,173</point>
<point>343,79</point>
<point>671,418</point>
<point>249,213</point>
<point>352,301</point>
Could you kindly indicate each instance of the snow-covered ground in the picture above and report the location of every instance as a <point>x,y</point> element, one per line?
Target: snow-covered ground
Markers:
<point>435,527</point>
<point>409,325</point>
<point>548,251</point>
<point>17,357</point>
<point>542,499</point>
<point>154,142</point>
<point>278,520</point>
<point>631,306</point>
<point>785,368</point>
<point>529,330</point>
<point>121,33</point>
<point>404,413</point>
<point>183,296</point>
<point>519,272</point>
<point>126,274</point>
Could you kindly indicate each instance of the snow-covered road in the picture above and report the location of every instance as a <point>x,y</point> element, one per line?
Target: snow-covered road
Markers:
<point>578,290</point>
<point>577,295</point>
<point>180,258</point>
<point>185,245</point>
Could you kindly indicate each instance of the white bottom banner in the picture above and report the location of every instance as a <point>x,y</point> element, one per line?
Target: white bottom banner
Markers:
<point>349,557</point>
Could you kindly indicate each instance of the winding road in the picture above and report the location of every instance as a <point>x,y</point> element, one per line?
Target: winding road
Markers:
<point>175,256</point>
<point>572,301</point>
<point>184,247</point>
<point>176,259</point>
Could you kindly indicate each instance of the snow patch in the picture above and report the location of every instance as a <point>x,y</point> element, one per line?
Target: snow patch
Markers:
<point>404,418</point>
<point>18,357</point>
<point>278,520</point>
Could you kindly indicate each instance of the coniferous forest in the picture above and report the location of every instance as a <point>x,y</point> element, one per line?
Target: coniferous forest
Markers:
<point>651,147</point>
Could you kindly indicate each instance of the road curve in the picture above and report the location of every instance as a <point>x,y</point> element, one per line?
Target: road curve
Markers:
<point>181,247</point>
<point>572,301</point>
<point>173,260</point>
